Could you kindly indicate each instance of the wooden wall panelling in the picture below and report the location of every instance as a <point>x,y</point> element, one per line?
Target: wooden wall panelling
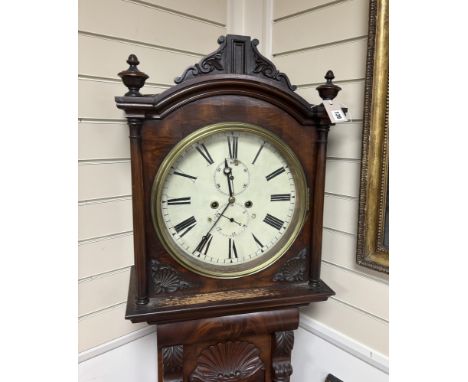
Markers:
<point>284,8</point>
<point>340,213</point>
<point>96,219</point>
<point>105,254</point>
<point>105,57</point>
<point>146,24</point>
<point>212,10</point>
<point>319,60</point>
<point>345,140</point>
<point>104,290</point>
<point>303,30</point>
<point>342,177</point>
<point>98,328</point>
<point>107,35</point>
<point>91,136</point>
<point>355,323</point>
<point>104,180</point>
<point>339,248</point>
<point>358,290</point>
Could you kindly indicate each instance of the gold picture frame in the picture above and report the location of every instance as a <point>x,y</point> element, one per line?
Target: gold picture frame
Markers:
<point>372,238</point>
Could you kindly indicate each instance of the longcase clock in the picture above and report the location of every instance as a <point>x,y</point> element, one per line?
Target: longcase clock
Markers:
<point>228,186</point>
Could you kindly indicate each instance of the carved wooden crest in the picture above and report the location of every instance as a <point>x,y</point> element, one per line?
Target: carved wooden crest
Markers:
<point>228,361</point>
<point>237,55</point>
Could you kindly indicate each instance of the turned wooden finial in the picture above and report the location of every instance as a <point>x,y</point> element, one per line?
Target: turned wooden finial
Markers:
<point>132,78</point>
<point>328,90</point>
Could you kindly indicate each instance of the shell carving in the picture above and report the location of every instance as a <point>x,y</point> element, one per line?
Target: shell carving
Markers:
<point>166,279</point>
<point>227,361</point>
<point>294,269</point>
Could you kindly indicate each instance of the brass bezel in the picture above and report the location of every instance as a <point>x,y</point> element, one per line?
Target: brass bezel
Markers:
<point>251,267</point>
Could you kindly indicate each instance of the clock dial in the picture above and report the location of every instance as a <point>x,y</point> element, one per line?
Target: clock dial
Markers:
<point>229,200</point>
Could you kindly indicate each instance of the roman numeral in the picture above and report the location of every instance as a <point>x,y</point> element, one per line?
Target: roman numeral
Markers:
<point>273,221</point>
<point>177,201</point>
<point>187,223</point>
<point>204,153</point>
<point>232,249</point>
<point>184,175</point>
<point>275,173</point>
<point>257,241</point>
<point>233,144</point>
<point>280,197</point>
<point>258,153</point>
<point>205,241</point>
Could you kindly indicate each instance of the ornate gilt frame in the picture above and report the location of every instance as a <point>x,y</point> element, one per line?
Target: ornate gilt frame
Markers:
<point>373,197</point>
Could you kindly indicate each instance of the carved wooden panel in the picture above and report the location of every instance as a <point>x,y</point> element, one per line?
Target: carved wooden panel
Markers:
<point>172,363</point>
<point>166,279</point>
<point>229,361</point>
<point>283,343</point>
<point>237,55</point>
<point>294,269</point>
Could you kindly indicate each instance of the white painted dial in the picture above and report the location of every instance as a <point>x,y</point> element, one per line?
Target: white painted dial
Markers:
<point>227,200</point>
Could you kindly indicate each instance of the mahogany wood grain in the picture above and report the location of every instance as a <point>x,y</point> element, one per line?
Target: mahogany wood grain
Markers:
<point>212,329</point>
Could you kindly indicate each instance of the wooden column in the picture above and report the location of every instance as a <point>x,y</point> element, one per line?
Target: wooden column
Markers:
<point>318,202</point>
<point>139,244</point>
<point>327,91</point>
<point>134,79</point>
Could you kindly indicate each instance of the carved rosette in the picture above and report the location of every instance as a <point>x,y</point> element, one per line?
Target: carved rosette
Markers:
<point>166,279</point>
<point>264,66</point>
<point>281,360</point>
<point>172,363</point>
<point>206,65</point>
<point>294,269</point>
<point>228,361</point>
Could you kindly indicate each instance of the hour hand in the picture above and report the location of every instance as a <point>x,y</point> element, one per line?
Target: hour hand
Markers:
<point>228,173</point>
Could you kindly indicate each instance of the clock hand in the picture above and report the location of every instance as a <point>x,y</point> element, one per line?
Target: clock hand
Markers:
<point>232,220</point>
<point>228,172</point>
<point>217,220</point>
<point>207,235</point>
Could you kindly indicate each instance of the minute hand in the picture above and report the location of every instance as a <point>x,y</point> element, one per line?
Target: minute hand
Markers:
<point>217,220</point>
<point>207,236</point>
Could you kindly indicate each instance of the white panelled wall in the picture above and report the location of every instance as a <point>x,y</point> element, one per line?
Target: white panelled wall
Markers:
<point>167,36</point>
<point>348,335</point>
<point>310,37</point>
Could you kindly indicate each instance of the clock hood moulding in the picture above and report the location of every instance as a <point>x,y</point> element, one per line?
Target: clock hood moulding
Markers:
<point>235,68</point>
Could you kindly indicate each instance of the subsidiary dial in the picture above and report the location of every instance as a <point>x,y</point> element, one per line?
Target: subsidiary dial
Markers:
<point>234,221</point>
<point>240,177</point>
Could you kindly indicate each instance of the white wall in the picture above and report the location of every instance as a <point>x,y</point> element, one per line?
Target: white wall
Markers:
<point>167,36</point>
<point>310,37</point>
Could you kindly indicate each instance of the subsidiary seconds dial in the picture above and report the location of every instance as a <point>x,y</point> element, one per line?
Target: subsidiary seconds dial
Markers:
<point>229,200</point>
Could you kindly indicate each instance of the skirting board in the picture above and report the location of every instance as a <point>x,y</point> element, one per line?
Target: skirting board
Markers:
<point>111,345</point>
<point>345,343</point>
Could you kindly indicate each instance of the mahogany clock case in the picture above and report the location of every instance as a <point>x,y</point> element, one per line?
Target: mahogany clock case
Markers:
<point>226,92</point>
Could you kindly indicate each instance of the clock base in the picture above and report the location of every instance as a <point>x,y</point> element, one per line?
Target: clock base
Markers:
<point>252,347</point>
<point>169,307</point>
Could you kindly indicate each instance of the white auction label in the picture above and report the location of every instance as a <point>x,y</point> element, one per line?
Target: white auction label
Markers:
<point>335,112</point>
